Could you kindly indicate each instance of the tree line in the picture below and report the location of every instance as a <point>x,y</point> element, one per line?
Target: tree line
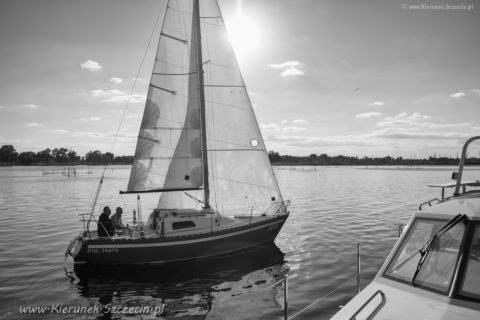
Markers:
<point>58,156</point>
<point>324,159</point>
<point>64,156</point>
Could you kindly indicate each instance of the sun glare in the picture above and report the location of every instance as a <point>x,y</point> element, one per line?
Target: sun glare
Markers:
<point>244,35</point>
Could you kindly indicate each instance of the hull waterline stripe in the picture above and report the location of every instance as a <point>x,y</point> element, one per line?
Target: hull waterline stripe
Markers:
<point>177,243</point>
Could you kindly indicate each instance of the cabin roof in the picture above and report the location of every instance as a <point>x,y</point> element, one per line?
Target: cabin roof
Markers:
<point>467,203</point>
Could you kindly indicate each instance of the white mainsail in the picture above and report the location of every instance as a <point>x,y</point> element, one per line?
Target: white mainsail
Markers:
<point>168,155</point>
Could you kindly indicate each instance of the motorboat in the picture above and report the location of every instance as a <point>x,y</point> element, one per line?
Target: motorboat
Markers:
<point>433,271</point>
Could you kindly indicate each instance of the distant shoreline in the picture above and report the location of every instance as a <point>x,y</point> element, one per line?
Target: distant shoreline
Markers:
<point>276,164</point>
<point>293,164</point>
<point>63,157</point>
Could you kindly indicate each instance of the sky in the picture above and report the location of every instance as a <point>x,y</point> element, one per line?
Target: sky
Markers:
<point>359,78</point>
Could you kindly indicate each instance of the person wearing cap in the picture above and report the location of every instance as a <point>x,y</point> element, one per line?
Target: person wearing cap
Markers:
<point>105,226</point>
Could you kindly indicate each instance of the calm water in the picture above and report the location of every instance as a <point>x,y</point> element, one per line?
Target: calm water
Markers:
<point>332,209</point>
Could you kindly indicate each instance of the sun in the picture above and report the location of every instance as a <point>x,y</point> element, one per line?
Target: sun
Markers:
<point>244,34</point>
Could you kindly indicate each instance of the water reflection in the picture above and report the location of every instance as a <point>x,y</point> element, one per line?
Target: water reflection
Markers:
<point>195,290</point>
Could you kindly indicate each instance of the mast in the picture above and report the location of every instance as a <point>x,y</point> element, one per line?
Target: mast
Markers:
<point>198,40</point>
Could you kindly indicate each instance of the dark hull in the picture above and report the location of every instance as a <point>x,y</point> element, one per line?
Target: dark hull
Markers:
<point>176,249</point>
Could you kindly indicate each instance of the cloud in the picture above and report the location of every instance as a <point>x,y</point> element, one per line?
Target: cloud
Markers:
<point>477,91</point>
<point>373,139</point>
<point>457,95</point>
<point>299,121</point>
<point>287,64</point>
<point>106,93</point>
<point>292,72</point>
<point>91,119</point>
<point>416,120</point>
<point>376,104</point>
<point>281,126</point>
<point>30,106</point>
<point>285,138</point>
<point>302,141</point>
<point>403,119</point>
<point>88,134</point>
<point>57,131</point>
<point>91,65</point>
<point>115,95</point>
<point>418,115</point>
<point>292,129</point>
<point>367,115</point>
<point>116,80</point>
<point>290,68</point>
<point>270,126</point>
<point>416,133</point>
<point>33,124</point>
<point>1,107</point>
<point>448,125</point>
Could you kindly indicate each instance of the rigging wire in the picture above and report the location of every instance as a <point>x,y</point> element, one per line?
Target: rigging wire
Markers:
<point>125,110</point>
<point>134,84</point>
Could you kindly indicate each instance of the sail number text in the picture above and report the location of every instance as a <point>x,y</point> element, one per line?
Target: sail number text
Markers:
<point>103,250</point>
<point>273,227</point>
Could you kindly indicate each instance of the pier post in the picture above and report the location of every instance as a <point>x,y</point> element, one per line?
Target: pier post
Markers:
<point>358,267</point>
<point>285,302</point>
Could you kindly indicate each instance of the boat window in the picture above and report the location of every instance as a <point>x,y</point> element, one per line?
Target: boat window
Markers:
<point>471,281</point>
<point>183,224</point>
<point>436,273</point>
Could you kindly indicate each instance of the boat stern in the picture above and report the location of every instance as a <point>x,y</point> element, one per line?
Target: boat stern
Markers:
<point>75,248</point>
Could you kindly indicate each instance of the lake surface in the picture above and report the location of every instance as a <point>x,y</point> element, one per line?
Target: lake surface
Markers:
<point>332,209</point>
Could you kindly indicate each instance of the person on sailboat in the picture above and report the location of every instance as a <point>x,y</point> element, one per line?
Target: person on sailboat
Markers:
<point>105,226</point>
<point>117,220</point>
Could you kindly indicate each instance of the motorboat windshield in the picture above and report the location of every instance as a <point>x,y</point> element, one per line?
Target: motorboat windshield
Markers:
<point>428,257</point>
<point>470,283</point>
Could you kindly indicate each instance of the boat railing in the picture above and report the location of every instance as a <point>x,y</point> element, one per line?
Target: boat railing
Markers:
<point>378,295</point>
<point>278,208</point>
<point>86,225</point>
<point>272,208</point>
<point>459,185</point>
<point>429,202</point>
<point>458,176</point>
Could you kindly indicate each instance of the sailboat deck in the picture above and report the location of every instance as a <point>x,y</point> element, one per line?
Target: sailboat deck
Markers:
<point>225,228</point>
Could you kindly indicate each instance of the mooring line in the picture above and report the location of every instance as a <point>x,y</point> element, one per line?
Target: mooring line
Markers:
<point>319,299</point>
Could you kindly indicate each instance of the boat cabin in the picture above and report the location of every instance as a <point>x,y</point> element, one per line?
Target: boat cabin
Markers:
<point>173,222</point>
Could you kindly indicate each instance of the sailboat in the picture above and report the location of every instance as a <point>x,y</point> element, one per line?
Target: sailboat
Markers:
<point>200,148</point>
